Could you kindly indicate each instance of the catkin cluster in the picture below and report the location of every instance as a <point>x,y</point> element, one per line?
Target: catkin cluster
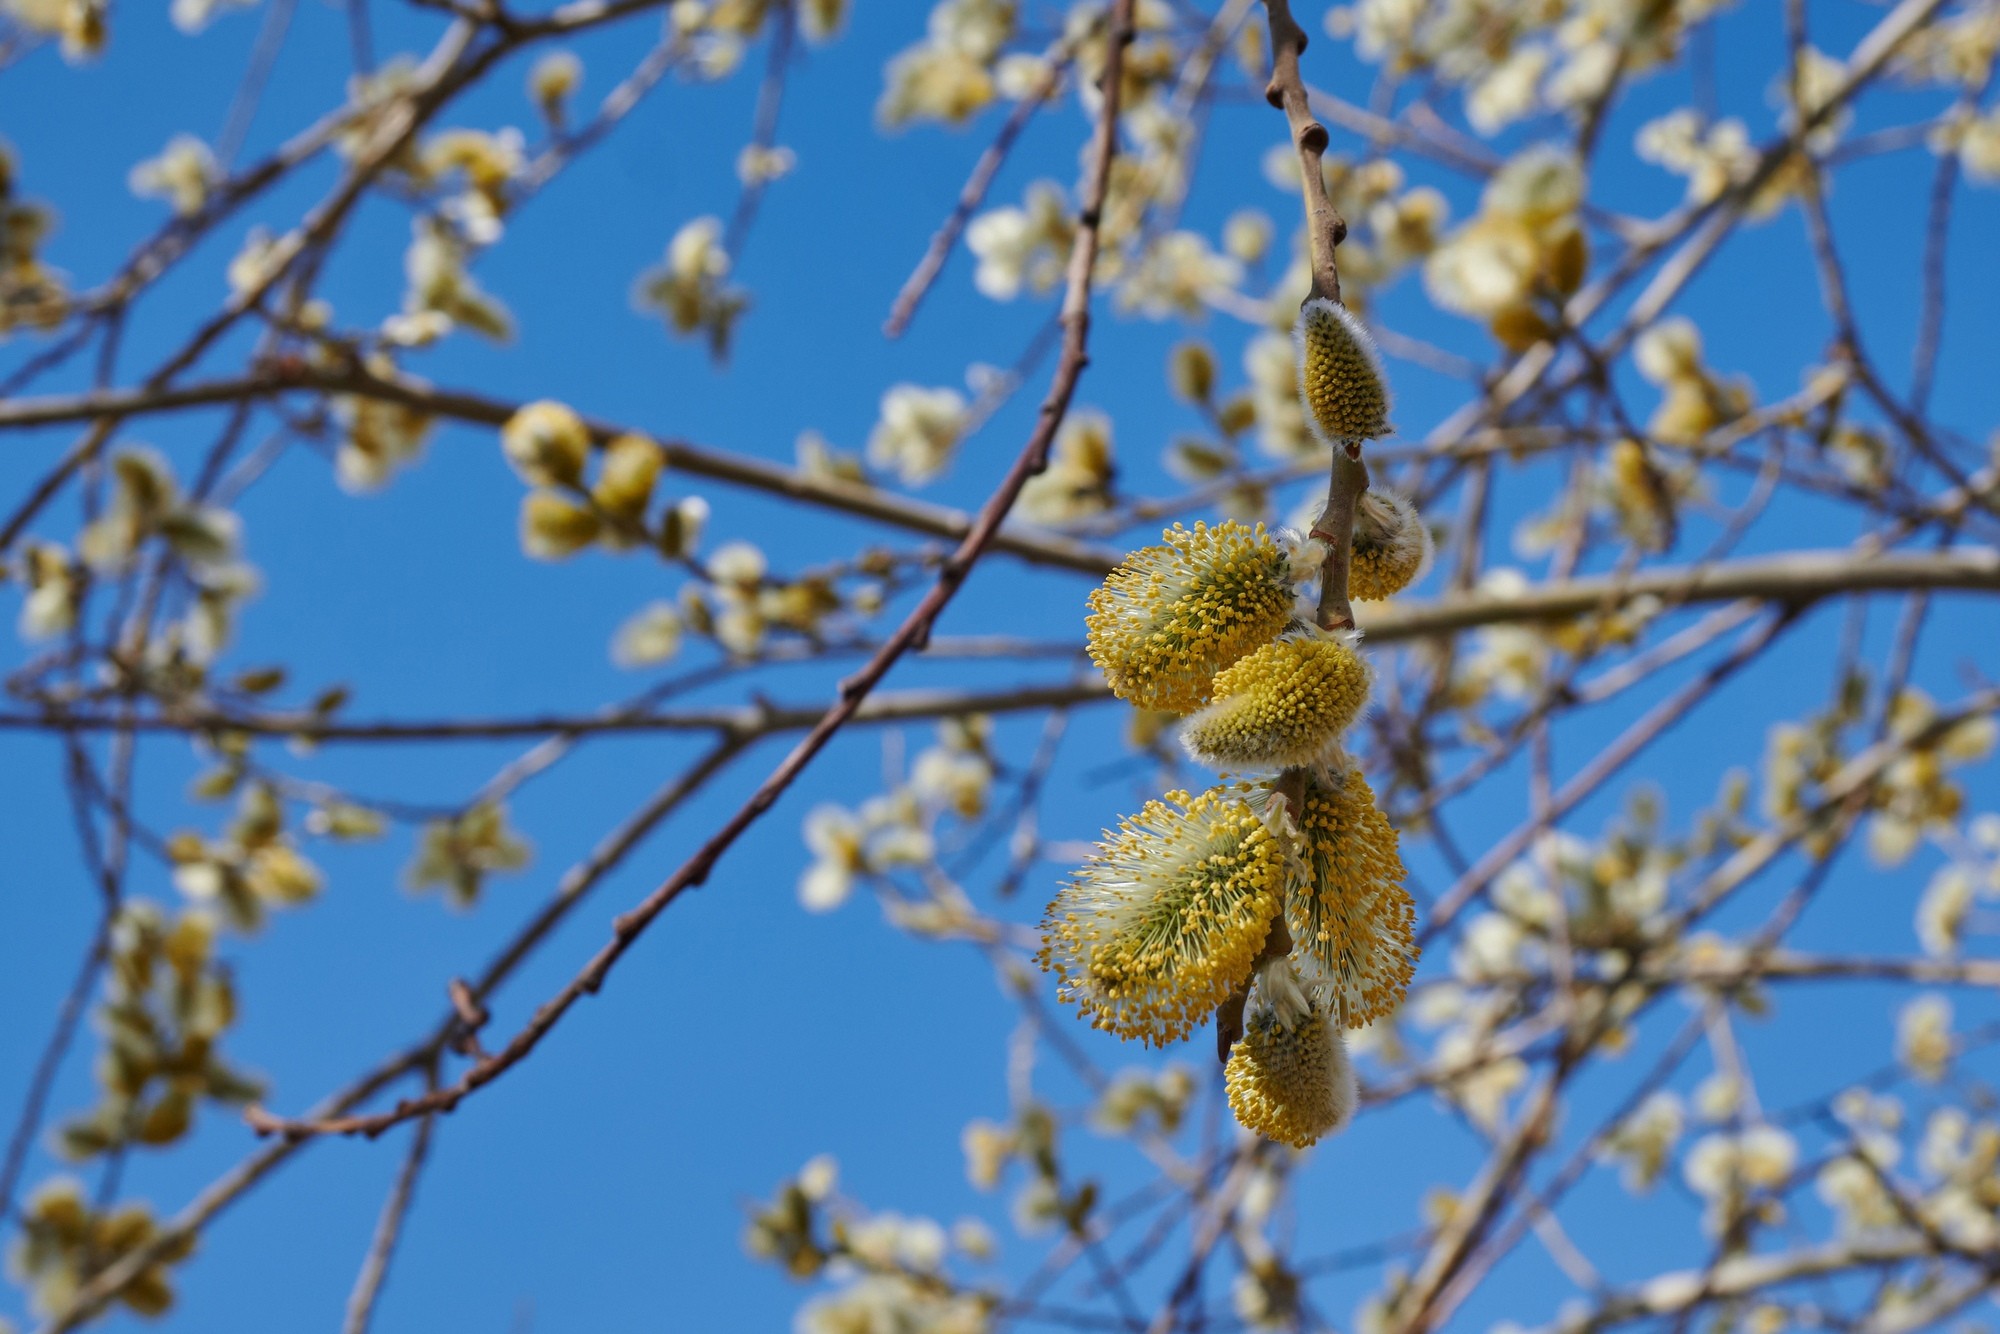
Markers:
<point>1281,890</point>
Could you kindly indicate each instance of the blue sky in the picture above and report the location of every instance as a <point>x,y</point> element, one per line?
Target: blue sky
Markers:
<point>602,1186</point>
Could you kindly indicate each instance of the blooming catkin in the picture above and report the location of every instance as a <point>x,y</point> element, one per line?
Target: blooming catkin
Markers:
<point>1283,705</point>
<point>1341,383</point>
<point>1291,1082</point>
<point>1171,616</point>
<point>1165,922</point>
<point>1350,915</point>
<point>1391,546</point>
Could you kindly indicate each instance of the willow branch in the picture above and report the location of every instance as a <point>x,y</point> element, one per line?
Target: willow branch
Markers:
<point>1741,1275</point>
<point>744,722</point>
<point>1286,91</point>
<point>41,1083</point>
<point>742,470</point>
<point>1796,578</point>
<point>388,1231</point>
<point>1849,783</point>
<point>1792,580</point>
<point>571,891</point>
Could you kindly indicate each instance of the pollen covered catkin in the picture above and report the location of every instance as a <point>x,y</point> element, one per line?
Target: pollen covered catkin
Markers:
<point>1289,1077</point>
<point>1349,915</point>
<point>1285,704</point>
<point>1171,616</point>
<point>1391,546</point>
<point>1166,921</point>
<point>1341,383</point>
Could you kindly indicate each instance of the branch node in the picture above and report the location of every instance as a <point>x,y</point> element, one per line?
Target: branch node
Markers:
<point>472,1017</point>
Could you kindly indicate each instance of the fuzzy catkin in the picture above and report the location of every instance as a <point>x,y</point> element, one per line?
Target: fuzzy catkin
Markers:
<point>1346,396</point>
<point>1291,1083</point>
<point>1391,546</point>
<point>1166,921</point>
<point>1172,615</point>
<point>1284,705</point>
<point>1350,915</point>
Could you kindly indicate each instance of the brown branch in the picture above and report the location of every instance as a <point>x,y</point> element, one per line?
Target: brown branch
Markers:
<point>263,56</point>
<point>1208,1230</point>
<point>1476,1266</point>
<point>41,1083</point>
<point>764,131</point>
<point>569,893</point>
<point>1325,229</point>
<point>1794,967</point>
<point>456,63</point>
<point>1847,785</point>
<point>1346,481</point>
<point>1790,580</point>
<point>452,65</point>
<point>1347,477</point>
<point>744,722</point>
<point>1415,1310</point>
<point>108,1282</point>
<point>742,470</point>
<point>1286,91</point>
<point>388,1231</point>
<point>1686,1290</point>
<point>1796,578</point>
<point>617,104</point>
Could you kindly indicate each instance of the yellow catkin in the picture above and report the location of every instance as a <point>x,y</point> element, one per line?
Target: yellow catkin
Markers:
<point>632,468</point>
<point>1391,546</point>
<point>1340,375</point>
<point>1283,705</point>
<point>1171,616</point>
<point>1165,922</point>
<point>554,527</point>
<point>1291,1084</point>
<point>547,443</point>
<point>1350,915</point>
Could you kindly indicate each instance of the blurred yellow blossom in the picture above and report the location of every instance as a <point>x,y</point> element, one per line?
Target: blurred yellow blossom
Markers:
<point>183,174</point>
<point>1923,1037</point>
<point>691,289</point>
<point>917,432</point>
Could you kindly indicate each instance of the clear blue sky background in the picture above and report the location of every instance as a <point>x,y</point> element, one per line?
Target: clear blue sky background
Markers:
<point>602,1186</point>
